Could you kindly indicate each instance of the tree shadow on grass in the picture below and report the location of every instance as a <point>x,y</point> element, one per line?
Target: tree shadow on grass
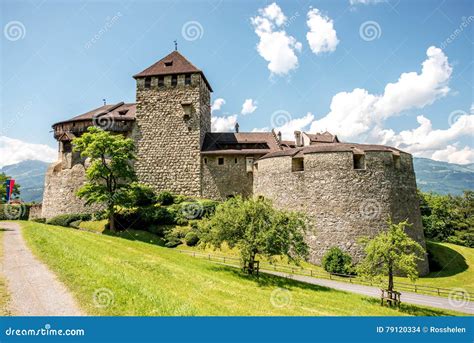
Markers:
<point>444,261</point>
<point>266,280</point>
<point>137,235</point>
<point>411,310</point>
<point>5,229</point>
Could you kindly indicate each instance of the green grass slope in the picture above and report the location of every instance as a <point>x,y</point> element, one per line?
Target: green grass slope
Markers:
<point>114,276</point>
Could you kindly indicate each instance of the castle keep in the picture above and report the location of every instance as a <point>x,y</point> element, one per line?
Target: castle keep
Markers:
<point>348,190</point>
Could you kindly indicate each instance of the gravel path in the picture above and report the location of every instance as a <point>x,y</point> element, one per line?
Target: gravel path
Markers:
<point>34,289</point>
<point>406,297</point>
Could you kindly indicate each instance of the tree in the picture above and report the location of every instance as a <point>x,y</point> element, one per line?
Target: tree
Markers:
<point>3,188</point>
<point>391,252</point>
<point>110,172</point>
<point>255,227</point>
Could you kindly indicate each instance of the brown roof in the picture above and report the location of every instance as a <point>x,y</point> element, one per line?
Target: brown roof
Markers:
<point>325,137</point>
<point>120,111</point>
<point>336,147</point>
<point>174,63</point>
<point>239,143</point>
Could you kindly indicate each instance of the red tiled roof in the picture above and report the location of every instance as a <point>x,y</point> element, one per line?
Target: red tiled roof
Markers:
<point>174,63</point>
<point>336,147</point>
<point>325,137</point>
<point>239,143</point>
<point>120,111</point>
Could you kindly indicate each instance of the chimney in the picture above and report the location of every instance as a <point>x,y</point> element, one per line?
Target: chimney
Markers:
<point>236,127</point>
<point>298,141</point>
<point>279,136</point>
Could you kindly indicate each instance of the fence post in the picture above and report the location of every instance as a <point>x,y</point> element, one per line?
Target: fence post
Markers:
<point>194,254</point>
<point>415,288</point>
<point>330,278</point>
<point>311,272</point>
<point>438,291</point>
<point>209,256</point>
<point>224,259</point>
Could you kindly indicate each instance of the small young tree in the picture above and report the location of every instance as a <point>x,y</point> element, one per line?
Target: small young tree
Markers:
<point>336,261</point>
<point>390,252</point>
<point>110,172</point>
<point>255,227</point>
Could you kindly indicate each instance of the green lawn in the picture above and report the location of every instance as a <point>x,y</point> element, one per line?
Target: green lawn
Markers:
<point>4,297</point>
<point>136,278</point>
<point>455,264</point>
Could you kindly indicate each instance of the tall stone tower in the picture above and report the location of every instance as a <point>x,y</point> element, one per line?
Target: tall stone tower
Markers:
<point>172,118</point>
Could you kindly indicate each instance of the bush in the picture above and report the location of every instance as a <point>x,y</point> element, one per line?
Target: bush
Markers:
<point>165,198</point>
<point>14,211</point>
<point>141,195</point>
<point>67,219</point>
<point>191,239</point>
<point>75,224</point>
<point>335,261</point>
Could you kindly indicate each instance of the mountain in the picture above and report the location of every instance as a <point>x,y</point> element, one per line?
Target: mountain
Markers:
<point>30,176</point>
<point>431,176</point>
<point>443,177</point>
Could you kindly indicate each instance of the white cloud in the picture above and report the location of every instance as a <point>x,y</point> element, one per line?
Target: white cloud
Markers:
<point>249,106</point>
<point>359,116</point>
<point>298,124</point>
<point>275,45</point>
<point>223,124</point>
<point>14,151</point>
<point>261,129</point>
<point>322,36</point>
<point>358,112</point>
<point>365,2</point>
<point>217,104</point>
<point>453,154</point>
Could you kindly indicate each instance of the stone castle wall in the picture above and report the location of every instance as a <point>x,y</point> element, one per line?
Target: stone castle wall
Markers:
<point>343,203</point>
<point>169,144</point>
<point>60,187</point>
<point>221,181</point>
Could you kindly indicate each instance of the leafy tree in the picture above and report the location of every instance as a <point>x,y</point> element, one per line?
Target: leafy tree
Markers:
<point>3,188</point>
<point>337,261</point>
<point>448,218</point>
<point>255,227</point>
<point>391,252</point>
<point>110,172</point>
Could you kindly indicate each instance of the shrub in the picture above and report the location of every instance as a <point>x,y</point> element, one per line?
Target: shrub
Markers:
<point>75,224</point>
<point>141,195</point>
<point>191,239</point>
<point>66,219</point>
<point>165,198</point>
<point>14,211</point>
<point>335,261</point>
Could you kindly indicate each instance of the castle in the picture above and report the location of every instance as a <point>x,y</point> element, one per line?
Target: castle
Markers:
<point>348,190</point>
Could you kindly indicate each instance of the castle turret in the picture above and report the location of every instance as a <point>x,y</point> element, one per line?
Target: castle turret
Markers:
<point>173,116</point>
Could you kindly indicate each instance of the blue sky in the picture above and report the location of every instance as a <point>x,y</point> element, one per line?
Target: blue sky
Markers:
<point>61,58</point>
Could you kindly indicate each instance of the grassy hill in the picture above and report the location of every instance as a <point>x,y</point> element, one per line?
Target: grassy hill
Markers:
<point>114,276</point>
<point>443,177</point>
<point>30,175</point>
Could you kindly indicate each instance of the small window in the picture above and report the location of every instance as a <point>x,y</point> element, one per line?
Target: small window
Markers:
<point>168,63</point>
<point>161,81</point>
<point>359,161</point>
<point>67,146</point>
<point>187,109</point>
<point>220,161</point>
<point>187,79</point>
<point>297,164</point>
<point>174,80</point>
<point>205,160</point>
<point>147,82</point>
<point>396,161</point>
<point>235,160</point>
